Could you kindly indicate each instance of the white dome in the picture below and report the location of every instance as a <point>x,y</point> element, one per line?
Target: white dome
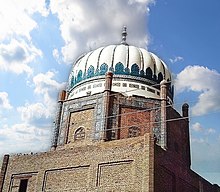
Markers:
<point>130,65</point>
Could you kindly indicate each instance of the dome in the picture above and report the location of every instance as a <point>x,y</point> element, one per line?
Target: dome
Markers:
<point>136,72</point>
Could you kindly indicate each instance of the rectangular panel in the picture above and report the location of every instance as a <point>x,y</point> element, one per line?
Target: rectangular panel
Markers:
<point>81,119</point>
<point>66,178</point>
<point>115,173</point>
<point>133,117</point>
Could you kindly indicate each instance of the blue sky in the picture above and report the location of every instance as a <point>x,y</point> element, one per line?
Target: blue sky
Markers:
<point>39,41</point>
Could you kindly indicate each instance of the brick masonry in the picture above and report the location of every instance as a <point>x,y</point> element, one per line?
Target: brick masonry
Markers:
<point>121,165</point>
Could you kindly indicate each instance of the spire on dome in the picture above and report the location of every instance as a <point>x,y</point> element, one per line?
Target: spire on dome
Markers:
<point>124,35</point>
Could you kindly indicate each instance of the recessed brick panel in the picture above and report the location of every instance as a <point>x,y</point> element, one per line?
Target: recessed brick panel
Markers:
<point>66,179</point>
<point>133,117</point>
<point>115,173</point>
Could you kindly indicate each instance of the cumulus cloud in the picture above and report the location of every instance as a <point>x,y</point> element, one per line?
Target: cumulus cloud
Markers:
<point>211,131</point>
<point>197,127</point>
<point>84,25</point>
<point>45,84</point>
<point>35,127</point>
<point>56,55</point>
<point>16,47</point>
<point>4,101</point>
<point>204,81</point>
<point>15,17</point>
<point>35,114</point>
<point>176,59</point>
<point>40,113</point>
<point>208,162</point>
<point>16,56</point>
<point>25,137</point>
<point>33,131</point>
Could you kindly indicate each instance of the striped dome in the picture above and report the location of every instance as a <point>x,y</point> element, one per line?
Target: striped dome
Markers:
<point>125,61</point>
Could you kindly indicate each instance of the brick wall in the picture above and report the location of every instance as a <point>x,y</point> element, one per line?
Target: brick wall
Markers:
<point>80,119</point>
<point>3,170</point>
<point>121,165</point>
<point>172,166</point>
<point>133,117</point>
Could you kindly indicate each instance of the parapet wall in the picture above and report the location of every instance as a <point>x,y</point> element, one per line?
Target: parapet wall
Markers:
<point>121,165</point>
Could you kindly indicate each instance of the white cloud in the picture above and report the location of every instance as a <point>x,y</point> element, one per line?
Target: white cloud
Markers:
<point>46,85</point>
<point>176,59</point>
<point>15,17</point>
<point>208,162</point>
<point>35,114</point>
<point>40,113</point>
<point>16,48</point>
<point>211,131</point>
<point>204,81</point>
<point>16,55</point>
<point>25,137</point>
<point>56,55</point>
<point>68,51</point>
<point>4,101</point>
<point>197,127</point>
<point>199,140</point>
<point>84,25</point>
<point>33,133</point>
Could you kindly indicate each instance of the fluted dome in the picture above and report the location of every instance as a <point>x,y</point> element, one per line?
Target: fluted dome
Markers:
<point>133,68</point>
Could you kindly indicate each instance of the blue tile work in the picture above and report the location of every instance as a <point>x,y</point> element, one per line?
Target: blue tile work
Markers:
<point>135,70</point>
<point>90,72</point>
<point>157,123</point>
<point>103,69</point>
<point>81,104</point>
<point>119,69</point>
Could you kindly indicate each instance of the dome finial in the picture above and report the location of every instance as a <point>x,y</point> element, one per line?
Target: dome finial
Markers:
<point>124,35</point>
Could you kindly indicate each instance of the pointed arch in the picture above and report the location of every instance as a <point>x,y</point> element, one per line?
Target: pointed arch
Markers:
<point>103,69</point>
<point>160,77</point>
<point>135,70</point>
<point>119,68</point>
<point>79,76</point>
<point>149,73</point>
<point>90,71</point>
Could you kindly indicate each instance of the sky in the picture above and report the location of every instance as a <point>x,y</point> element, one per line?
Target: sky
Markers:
<point>39,41</point>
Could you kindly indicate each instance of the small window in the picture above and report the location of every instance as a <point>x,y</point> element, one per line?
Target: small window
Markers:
<point>79,134</point>
<point>23,185</point>
<point>116,84</point>
<point>124,85</point>
<point>133,131</point>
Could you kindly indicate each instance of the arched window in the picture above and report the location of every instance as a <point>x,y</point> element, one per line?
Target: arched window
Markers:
<point>79,134</point>
<point>133,131</point>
